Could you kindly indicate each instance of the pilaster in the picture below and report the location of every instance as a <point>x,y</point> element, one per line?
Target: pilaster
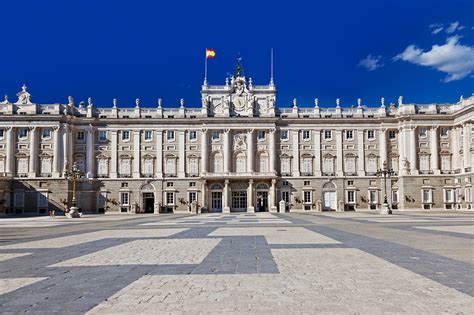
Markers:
<point>33,152</point>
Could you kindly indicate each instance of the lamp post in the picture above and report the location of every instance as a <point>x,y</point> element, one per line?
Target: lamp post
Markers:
<point>73,176</point>
<point>385,172</point>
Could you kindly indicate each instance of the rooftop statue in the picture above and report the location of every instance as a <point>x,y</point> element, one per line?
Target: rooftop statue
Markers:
<point>5,101</point>
<point>24,97</point>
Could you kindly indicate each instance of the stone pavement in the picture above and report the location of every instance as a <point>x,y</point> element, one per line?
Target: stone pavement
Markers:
<point>411,262</point>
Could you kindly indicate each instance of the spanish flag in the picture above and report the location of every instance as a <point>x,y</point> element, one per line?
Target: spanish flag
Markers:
<point>210,53</point>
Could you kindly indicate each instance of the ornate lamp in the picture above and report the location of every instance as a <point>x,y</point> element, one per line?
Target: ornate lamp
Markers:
<point>73,176</point>
<point>385,172</point>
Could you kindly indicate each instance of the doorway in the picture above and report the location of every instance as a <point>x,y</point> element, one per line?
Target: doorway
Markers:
<point>261,201</point>
<point>148,202</point>
<point>216,201</point>
<point>239,200</point>
<point>330,200</point>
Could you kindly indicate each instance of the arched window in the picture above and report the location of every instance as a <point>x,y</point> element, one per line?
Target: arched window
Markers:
<point>22,166</point>
<point>446,162</point>
<point>2,164</point>
<point>424,162</point>
<point>307,165</point>
<point>170,166</point>
<point>148,166</point>
<point>81,163</point>
<point>125,166</point>
<point>372,164</point>
<point>45,166</point>
<point>328,164</point>
<point>240,163</point>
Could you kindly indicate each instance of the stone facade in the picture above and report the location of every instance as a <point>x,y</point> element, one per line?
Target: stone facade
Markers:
<point>237,152</point>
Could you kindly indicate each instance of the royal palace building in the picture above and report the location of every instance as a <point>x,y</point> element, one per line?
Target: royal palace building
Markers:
<point>236,152</point>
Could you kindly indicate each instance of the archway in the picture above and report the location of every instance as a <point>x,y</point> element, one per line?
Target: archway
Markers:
<point>329,196</point>
<point>215,191</point>
<point>147,194</point>
<point>261,197</point>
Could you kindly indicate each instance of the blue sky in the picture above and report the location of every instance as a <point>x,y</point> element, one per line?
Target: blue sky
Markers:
<point>152,49</point>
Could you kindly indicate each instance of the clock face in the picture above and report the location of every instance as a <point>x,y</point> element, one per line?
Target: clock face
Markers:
<point>239,103</point>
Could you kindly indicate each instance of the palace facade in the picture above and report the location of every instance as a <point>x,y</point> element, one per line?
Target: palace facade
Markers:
<point>237,152</point>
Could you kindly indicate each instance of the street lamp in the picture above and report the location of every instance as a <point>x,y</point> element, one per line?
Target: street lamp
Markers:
<point>73,176</point>
<point>385,172</point>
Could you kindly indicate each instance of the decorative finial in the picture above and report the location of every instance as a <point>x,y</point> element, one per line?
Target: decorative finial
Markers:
<point>23,88</point>
<point>316,102</point>
<point>181,103</point>
<point>382,102</point>
<point>159,103</point>
<point>137,103</point>
<point>359,102</point>
<point>239,71</point>
<point>461,98</point>
<point>5,101</point>
<point>226,81</point>
<point>295,102</point>
<point>400,100</point>
<point>23,96</point>
<point>89,102</point>
<point>338,102</point>
<point>81,104</point>
<point>114,102</point>
<point>250,82</point>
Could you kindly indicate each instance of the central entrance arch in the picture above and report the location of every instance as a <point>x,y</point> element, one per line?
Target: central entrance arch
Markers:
<point>216,197</point>
<point>261,197</point>
<point>147,194</point>
<point>329,197</point>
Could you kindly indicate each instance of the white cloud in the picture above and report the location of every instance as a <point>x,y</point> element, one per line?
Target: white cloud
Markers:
<point>437,30</point>
<point>453,58</point>
<point>371,63</point>
<point>453,27</point>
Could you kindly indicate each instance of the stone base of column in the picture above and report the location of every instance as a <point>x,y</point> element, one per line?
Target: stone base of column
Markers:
<point>31,175</point>
<point>360,173</point>
<point>113,175</point>
<point>415,172</point>
<point>385,209</point>
<point>273,209</point>
<point>56,174</point>
<point>436,172</point>
<point>318,173</point>
<point>251,209</point>
<point>136,175</point>
<point>226,210</point>
<point>340,173</point>
<point>156,208</point>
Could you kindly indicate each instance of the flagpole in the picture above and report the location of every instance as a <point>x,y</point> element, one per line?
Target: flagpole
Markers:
<point>205,68</point>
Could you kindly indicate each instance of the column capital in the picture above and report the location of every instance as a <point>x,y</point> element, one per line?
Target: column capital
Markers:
<point>226,130</point>
<point>226,182</point>
<point>204,130</point>
<point>31,128</point>
<point>434,127</point>
<point>55,128</point>
<point>251,181</point>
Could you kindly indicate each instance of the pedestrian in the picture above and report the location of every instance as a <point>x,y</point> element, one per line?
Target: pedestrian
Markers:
<point>50,213</point>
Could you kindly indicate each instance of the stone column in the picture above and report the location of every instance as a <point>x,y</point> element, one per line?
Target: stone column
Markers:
<point>455,145</point>
<point>272,197</point>
<point>159,154</point>
<point>57,152</point>
<point>412,151</point>
<point>401,150</point>
<point>182,154</point>
<point>66,147</point>
<point>272,153</point>
<point>10,149</point>
<point>383,146</point>
<point>204,196</point>
<point>90,153</point>
<point>113,157</point>
<point>317,152</point>
<point>204,152</point>
<point>250,205</point>
<point>467,146</point>
<point>136,154</point>
<point>250,150</point>
<point>360,153</point>
<point>434,150</point>
<point>226,197</point>
<point>33,152</point>
<point>227,151</point>
<point>296,153</point>
<point>339,153</point>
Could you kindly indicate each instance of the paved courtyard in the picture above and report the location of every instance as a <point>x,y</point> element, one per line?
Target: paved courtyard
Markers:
<point>410,262</point>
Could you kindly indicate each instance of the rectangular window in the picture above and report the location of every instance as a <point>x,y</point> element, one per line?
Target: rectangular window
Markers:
<point>192,184</point>
<point>349,135</point>
<point>124,198</point>
<point>42,199</point>
<point>307,196</point>
<point>2,133</point>
<point>306,135</point>
<point>372,196</point>
<point>370,134</point>
<point>261,134</point>
<point>443,132</point>
<point>46,133</point>
<point>125,135</point>
<point>215,135</point>
<point>448,195</point>
<point>192,196</point>
<point>468,194</point>
<point>327,134</point>
<point>81,136</point>
<point>350,183</point>
<point>394,196</point>
<point>170,135</point>
<point>102,135</point>
<point>169,184</point>
<point>307,183</point>
<point>284,135</point>
<point>285,183</point>
<point>192,135</point>
<point>124,185</point>
<point>423,132</point>
<point>426,195</point>
<point>350,196</point>
<point>285,195</point>
<point>170,198</point>
<point>148,135</point>
<point>22,133</point>
<point>392,134</point>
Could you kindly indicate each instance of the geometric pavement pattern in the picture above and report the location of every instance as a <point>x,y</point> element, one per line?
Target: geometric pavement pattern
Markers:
<point>239,263</point>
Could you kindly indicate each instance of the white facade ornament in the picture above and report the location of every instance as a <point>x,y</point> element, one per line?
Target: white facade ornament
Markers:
<point>359,102</point>
<point>338,102</point>
<point>114,102</point>
<point>316,102</point>
<point>5,101</point>
<point>89,102</point>
<point>400,100</point>
<point>226,81</point>
<point>295,103</point>
<point>159,102</point>
<point>240,142</point>
<point>382,102</point>
<point>137,103</point>
<point>70,101</point>
<point>181,103</point>
<point>24,98</point>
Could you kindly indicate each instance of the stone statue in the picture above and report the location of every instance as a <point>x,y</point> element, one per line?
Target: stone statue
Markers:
<point>114,102</point>
<point>5,101</point>
<point>89,102</point>
<point>70,101</point>
<point>181,103</point>
<point>316,102</point>
<point>382,102</point>
<point>23,97</point>
<point>295,102</point>
<point>400,100</point>
<point>359,102</point>
<point>137,102</point>
<point>338,102</point>
<point>159,102</point>
<point>239,142</point>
